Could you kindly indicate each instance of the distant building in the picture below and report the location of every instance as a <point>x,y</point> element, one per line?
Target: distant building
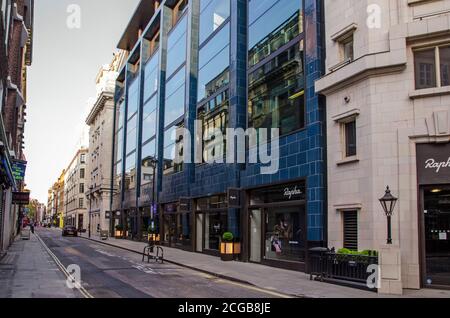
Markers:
<point>75,212</point>
<point>100,122</point>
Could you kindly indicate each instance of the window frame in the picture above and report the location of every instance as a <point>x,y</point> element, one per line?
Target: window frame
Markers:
<point>437,64</point>
<point>345,144</point>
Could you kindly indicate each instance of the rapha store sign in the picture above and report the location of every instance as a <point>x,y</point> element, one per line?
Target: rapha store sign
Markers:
<point>292,192</point>
<point>433,163</point>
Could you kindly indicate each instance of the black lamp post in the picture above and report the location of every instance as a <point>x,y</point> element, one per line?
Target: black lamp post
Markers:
<point>153,163</point>
<point>388,203</point>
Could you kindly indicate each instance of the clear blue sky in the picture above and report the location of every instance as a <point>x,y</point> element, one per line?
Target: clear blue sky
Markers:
<point>62,80</point>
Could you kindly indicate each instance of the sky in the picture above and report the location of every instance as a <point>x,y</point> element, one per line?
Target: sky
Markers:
<point>68,51</point>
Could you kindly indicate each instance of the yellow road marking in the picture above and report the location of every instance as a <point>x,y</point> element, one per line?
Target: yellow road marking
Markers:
<point>60,265</point>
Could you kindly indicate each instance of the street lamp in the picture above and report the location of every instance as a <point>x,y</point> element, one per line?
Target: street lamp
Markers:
<point>90,206</point>
<point>153,163</point>
<point>388,203</point>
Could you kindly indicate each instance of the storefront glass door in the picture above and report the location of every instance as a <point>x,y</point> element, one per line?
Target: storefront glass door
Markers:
<point>437,235</point>
<point>215,226</point>
<point>256,217</point>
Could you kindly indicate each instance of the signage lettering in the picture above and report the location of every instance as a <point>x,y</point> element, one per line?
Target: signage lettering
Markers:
<point>436,165</point>
<point>292,192</point>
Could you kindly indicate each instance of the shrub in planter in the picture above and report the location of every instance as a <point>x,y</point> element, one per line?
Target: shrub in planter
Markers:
<point>119,231</point>
<point>228,247</point>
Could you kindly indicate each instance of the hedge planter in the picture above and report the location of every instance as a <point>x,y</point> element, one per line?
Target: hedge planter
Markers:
<point>154,238</point>
<point>229,249</point>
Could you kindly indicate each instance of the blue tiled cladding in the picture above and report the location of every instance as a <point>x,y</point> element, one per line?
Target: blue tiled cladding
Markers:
<point>173,187</point>
<point>302,154</point>
<point>212,179</point>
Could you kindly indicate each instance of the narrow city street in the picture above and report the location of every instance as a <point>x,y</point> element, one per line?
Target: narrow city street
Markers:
<point>108,272</point>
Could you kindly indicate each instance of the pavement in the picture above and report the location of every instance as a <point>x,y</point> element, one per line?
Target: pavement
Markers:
<point>28,271</point>
<point>288,282</point>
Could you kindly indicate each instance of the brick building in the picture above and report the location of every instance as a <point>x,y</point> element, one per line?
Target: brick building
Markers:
<point>16,38</point>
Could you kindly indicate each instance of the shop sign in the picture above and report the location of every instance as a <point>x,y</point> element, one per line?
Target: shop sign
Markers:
<point>185,204</point>
<point>22,198</point>
<point>281,193</point>
<point>18,170</point>
<point>433,163</point>
<point>234,198</point>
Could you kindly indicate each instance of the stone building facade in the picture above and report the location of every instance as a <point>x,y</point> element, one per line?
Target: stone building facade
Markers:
<point>75,212</point>
<point>100,121</point>
<point>388,124</point>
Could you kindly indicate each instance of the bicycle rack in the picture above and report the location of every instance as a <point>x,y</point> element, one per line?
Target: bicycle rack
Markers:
<point>149,252</point>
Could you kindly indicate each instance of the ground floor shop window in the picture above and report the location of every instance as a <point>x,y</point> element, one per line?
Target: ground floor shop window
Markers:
<point>211,222</point>
<point>177,226</point>
<point>215,226</point>
<point>285,234</point>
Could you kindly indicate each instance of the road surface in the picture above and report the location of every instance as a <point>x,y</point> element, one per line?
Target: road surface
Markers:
<point>109,272</point>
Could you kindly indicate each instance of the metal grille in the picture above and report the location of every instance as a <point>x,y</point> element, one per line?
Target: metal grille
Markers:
<point>351,230</point>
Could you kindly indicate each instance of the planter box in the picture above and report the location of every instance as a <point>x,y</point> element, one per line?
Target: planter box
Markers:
<point>229,251</point>
<point>119,234</point>
<point>156,238</point>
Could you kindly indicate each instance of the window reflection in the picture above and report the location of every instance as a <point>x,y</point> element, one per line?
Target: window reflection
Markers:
<point>176,47</point>
<point>272,24</point>
<point>147,162</point>
<point>276,92</point>
<point>173,149</point>
<point>213,14</point>
<point>214,61</point>
<point>130,171</point>
<point>133,98</point>
<point>175,97</point>
<point>151,77</point>
<point>214,115</point>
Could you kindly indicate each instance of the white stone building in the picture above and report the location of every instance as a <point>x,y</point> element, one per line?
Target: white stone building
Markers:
<point>387,86</point>
<point>100,122</point>
<point>75,205</point>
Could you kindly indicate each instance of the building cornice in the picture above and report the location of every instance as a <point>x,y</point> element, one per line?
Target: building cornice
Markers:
<point>99,105</point>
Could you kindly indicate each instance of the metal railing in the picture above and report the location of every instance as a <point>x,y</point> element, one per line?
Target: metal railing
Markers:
<point>326,264</point>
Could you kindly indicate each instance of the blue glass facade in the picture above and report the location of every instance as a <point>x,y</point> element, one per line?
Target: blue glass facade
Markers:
<point>229,64</point>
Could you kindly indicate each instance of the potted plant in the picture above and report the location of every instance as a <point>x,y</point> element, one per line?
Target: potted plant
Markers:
<point>228,247</point>
<point>119,231</point>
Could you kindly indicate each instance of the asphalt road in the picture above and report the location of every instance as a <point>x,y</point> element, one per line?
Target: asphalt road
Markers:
<point>108,272</point>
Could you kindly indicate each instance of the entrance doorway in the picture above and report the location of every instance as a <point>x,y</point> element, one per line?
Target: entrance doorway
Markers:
<point>436,211</point>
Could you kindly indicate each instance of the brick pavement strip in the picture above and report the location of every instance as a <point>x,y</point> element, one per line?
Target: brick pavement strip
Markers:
<point>28,271</point>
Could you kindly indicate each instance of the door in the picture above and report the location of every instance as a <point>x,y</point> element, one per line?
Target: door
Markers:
<point>199,232</point>
<point>256,217</point>
<point>436,203</point>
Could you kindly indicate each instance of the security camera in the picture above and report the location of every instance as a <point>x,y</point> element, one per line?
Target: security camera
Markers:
<point>347,99</point>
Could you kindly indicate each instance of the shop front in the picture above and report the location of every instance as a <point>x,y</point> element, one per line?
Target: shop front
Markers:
<point>277,229</point>
<point>176,226</point>
<point>433,171</point>
<point>211,221</point>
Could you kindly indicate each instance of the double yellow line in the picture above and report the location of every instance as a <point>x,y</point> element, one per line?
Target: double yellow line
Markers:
<point>60,265</point>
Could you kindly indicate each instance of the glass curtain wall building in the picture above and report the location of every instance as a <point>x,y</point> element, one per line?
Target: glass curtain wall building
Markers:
<point>221,64</point>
